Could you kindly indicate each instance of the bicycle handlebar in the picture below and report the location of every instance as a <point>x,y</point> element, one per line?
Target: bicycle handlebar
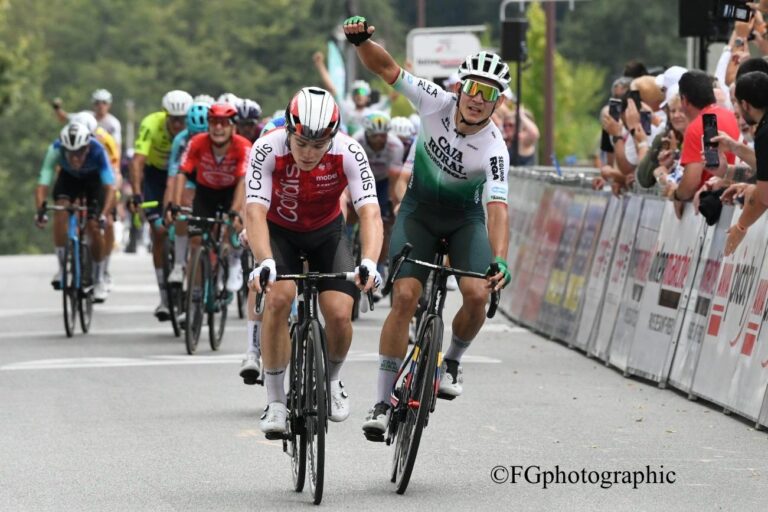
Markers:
<point>403,257</point>
<point>309,276</point>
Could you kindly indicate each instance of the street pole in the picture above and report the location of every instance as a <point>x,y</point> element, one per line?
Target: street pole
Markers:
<point>549,85</point>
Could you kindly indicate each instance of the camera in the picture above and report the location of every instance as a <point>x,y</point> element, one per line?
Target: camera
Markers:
<point>614,108</point>
<point>711,157</point>
<point>737,10</point>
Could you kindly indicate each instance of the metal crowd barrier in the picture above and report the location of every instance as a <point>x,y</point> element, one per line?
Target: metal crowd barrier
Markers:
<point>626,281</point>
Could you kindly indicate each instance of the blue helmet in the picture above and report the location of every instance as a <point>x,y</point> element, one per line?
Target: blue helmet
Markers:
<point>197,118</point>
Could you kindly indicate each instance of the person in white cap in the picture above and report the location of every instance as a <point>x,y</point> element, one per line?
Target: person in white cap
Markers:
<point>101,100</point>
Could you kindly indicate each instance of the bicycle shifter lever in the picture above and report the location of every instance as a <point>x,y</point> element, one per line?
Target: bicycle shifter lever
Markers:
<point>263,280</point>
<point>363,280</point>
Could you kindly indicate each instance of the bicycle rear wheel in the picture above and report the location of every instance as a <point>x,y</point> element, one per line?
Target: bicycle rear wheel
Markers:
<point>297,433</point>
<point>416,394</point>
<point>217,299</point>
<point>69,289</point>
<point>85,293</point>
<point>196,282</point>
<point>315,409</point>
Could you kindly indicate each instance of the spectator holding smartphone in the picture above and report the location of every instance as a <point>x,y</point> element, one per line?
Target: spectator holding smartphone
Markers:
<point>696,99</point>
<point>752,98</point>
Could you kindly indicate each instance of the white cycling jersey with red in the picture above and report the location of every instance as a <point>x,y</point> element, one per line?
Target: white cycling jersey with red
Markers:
<point>390,156</point>
<point>450,169</point>
<point>307,200</point>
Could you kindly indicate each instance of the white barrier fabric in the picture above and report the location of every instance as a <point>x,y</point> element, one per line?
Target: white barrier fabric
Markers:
<point>618,277</point>
<point>599,273</point>
<point>636,287</point>
<point>548,319</point>
<point>584,254</point>
<point>669,282</point>
<point>545,257</point>
<point>692,322</point>
<point>526,263</point>
<point>724,341</point>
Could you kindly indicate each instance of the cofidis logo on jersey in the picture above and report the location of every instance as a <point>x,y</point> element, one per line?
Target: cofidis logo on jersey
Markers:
<point>361,159</point>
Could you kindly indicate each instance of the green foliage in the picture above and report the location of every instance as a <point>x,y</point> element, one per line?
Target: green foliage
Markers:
<point>578,93</point>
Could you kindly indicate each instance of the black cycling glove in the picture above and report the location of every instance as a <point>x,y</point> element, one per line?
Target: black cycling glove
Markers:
<point>358,38</point>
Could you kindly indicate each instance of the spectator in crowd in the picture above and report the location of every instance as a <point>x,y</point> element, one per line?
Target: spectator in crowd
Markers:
<point>619,88</point>
<point>661,163</point>
<point>752,100</point>
<point>525,154</point>
<point>101,100</point>
<point>698,98</point>
<point>634,68</point>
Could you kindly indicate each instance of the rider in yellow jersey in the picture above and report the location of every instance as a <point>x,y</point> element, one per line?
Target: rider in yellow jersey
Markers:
<point>149,174</point>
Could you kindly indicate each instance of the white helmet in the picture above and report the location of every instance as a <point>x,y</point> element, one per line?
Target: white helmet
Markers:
<point>313,114</point>
<point>101,95</point>
<point>376,122</point>
<point>486,65</point>
<point>74,136</point>
<point>402,127</point>
<point>361,84</point>
<point>415,121</point>
<point>177,102</point>
<point>204,99</point>
<point>85,118</point>
<point>228,97</point>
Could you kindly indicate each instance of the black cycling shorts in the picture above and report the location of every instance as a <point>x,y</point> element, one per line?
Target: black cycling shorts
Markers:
<point>326,248</point>
<point>71,187</point>
<point>155,182</point>
<point>208,201</point>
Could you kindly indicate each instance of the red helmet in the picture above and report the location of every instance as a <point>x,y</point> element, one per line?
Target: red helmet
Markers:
<point>313,114</point>
<point>222,109</point>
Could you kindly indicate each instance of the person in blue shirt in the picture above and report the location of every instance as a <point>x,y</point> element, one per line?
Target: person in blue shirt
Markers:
<point>82,170</point>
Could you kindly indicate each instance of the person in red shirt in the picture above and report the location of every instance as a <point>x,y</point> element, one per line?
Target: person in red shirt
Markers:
<point>697,97</point>
<point>216,162</point>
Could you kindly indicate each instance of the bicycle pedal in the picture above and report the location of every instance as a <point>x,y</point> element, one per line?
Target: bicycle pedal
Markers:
<point>445,396</point>
<point>376,438</point>
<point>276,436</point>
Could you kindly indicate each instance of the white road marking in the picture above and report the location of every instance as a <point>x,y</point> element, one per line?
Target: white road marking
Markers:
<point>171,360</point>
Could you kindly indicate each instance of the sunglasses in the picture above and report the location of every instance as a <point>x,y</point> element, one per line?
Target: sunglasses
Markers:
<point>177,119</point>
<point>78,153</point>
<point>471,88</point>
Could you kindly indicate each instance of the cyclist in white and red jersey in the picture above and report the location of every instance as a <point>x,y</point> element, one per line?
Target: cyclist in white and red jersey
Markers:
<point>216,162</point>
<point>295,178</point>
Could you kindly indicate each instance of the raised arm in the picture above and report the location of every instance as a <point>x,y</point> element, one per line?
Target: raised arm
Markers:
<point>373,56</point>
<point>325,76</point>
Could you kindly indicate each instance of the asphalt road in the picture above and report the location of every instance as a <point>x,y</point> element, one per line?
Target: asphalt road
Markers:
<point>121,419</point>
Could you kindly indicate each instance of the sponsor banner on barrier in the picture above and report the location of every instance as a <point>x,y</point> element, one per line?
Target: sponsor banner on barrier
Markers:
<point>617,278</point>
<point>637,279</point>
<point>727,325</point>
<point>694,317</point>
<point>545,257</point>
<point>524,197</point>
<point>526,264</point>
<point>583,256</point>
<point>673,265</point>
<point>599,272</point>
<point>558,278</point>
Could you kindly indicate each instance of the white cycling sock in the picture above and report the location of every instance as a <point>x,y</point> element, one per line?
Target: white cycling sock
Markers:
<point>98,272</point>
<point>388,368</point>
<point>60,256</point>
<point>254,337</point>
<point>274,380</point>
<point>234,258</point>
<point>106,263</point>
<point>161,286</point>
<point>456,349</point>
<point>180,249</point>
<point>334,367</point>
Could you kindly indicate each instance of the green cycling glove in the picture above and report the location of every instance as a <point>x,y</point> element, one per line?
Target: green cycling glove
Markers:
<point>358,38</point>
<point>503,268</point>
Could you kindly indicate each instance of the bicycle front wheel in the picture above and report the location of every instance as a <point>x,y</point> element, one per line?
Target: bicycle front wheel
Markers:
<point>69,288</point>
<point>416,394</point>
<point>217,300</point>
<point>172,289</point>
<point>315,409</point>
<point>196,281</point>
<point>297,434</point>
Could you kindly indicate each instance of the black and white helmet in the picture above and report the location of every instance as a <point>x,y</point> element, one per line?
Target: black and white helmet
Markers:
<point>74,136</point>
<point>248,110</point>
<point>486,65</point>
<point>177,102</point>
<point>313,114</point>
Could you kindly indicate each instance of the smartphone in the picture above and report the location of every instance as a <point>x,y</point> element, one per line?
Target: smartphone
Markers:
<point>711,158</point>
<point>635,95</point>
<point>645,121</point>
<point>614,108</point>
<point>737,10</point>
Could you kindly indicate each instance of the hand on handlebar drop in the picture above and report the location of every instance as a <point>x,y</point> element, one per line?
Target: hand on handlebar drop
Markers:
<point>502,278</point>
<point>254,283</point>
<point>374,278</point>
